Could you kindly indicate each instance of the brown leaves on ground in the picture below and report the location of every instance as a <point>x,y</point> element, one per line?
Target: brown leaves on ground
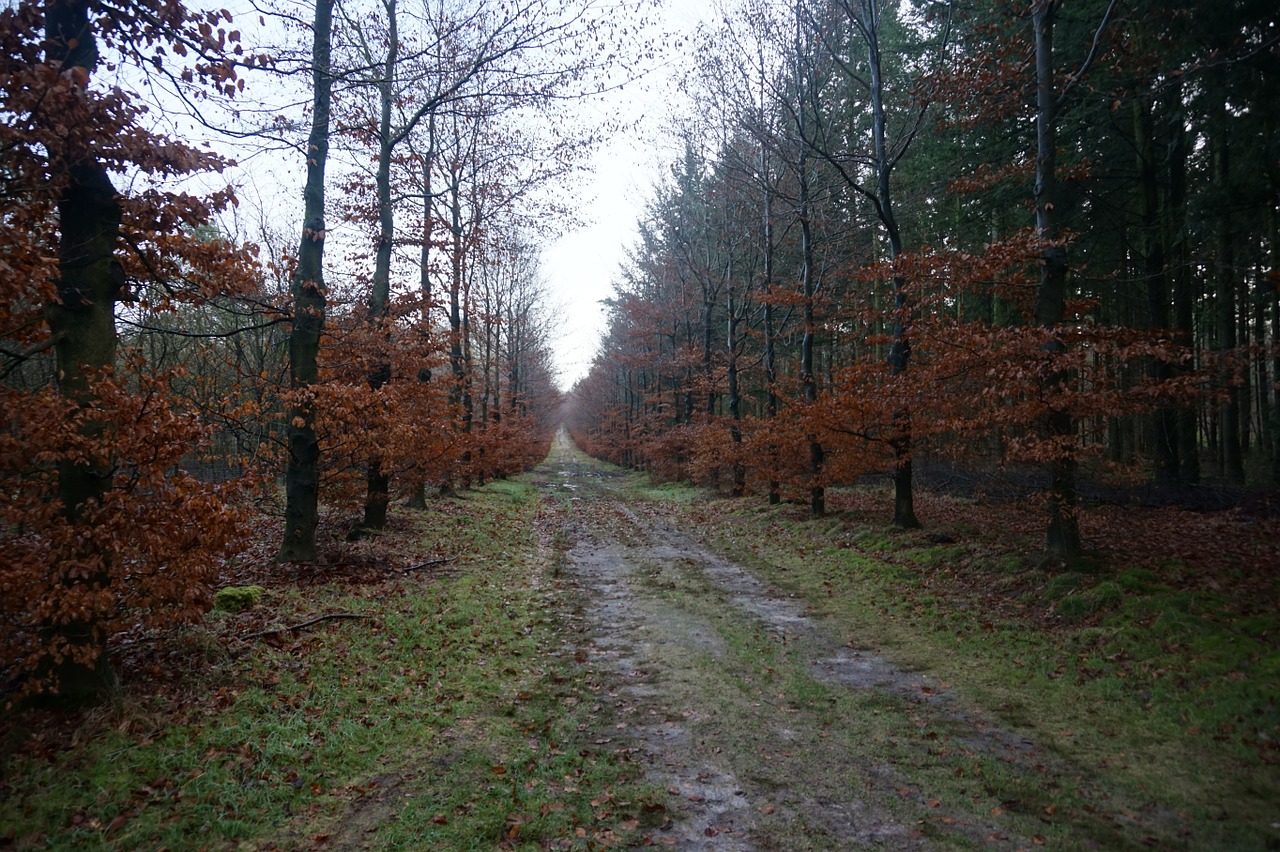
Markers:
<point>1232,554</point>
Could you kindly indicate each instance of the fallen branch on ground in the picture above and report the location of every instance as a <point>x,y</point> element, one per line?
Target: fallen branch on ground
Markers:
<point>295,627</point>
<point>443,561</point>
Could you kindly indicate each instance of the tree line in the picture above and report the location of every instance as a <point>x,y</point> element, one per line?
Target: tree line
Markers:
<point>1017,233</point>
<point>171,369</point>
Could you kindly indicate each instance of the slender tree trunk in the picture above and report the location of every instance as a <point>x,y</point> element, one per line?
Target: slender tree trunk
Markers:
<point>1231,456</point>
<point>82,322</point>
<point>1063,533</point>
<point>378,493</point>
<point>1183,297</point>
<point>1164,421</point>
<point>302,470</point>
<point>817,491</point>
<point>418,500</point>
<point>456,269</point>
<point>1273,245</point>
<point>770,350</point>
<point>735,401</point>
<point>899,358</point>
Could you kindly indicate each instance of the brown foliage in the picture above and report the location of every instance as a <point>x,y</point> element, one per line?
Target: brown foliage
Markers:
<point>145,550</point>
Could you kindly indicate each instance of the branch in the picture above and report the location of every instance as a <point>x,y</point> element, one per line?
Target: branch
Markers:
<point>295,627</point>
<point>428,564</point>
<point>22,357</point>
<point>1093,52</point>
<point>206,335</point>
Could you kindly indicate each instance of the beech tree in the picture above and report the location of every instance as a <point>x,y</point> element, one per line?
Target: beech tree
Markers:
<point>302,470</point>
<point>99,533</point>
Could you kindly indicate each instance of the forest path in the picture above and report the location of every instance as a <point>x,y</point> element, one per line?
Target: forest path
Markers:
<point>732,694</point>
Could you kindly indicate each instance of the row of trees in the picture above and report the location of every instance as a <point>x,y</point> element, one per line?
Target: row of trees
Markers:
<point>142,336</point>
<point>1025,232</point>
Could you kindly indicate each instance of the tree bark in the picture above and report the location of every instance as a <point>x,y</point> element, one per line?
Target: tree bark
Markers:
<point>378,483</point>
<point>1231,456</point>
<point>735,400</point>
<point>302,470</point>
<point>899,358</point>
<point>817,492</point>
<point>1063,532</point>
<point>1183,296</point>
<point>82,322</point>
<point>1164,420</point>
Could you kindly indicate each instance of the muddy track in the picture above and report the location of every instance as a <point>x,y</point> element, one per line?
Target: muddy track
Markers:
<point>698,665</point>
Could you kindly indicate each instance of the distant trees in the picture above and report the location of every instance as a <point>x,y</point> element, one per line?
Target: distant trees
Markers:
<point>1066,253</point>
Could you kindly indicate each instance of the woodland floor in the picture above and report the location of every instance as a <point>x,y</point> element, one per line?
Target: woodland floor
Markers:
<point>603,662</point>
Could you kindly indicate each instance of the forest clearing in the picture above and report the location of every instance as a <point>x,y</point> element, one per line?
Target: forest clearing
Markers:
<point>599,662</point>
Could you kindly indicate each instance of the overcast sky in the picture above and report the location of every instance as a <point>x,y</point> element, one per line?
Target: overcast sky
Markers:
<point>581,267</point>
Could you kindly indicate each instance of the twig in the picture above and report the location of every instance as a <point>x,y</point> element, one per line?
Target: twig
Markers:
<point>442,561</point>
<point>294,627</point>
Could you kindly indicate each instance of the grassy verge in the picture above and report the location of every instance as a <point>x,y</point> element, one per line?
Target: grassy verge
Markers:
<point>1155,705</point>
<point>448,717</point>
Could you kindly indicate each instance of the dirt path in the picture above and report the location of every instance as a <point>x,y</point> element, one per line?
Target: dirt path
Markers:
<point>698,666</point>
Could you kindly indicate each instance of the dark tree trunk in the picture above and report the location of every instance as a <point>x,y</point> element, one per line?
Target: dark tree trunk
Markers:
<point>817,492</point>
<point>302,469</point>
<point>418,499</point>
<point>1183,296</point>
<point>1164,421</point>
<point>82,322</point>
<point>1063,533</point>
<point>735,400</point>
<point>899,358</point>
<point>1230,454</point>
<point>378,491</point>
<point>1273,299</point>
<point>770,332</point>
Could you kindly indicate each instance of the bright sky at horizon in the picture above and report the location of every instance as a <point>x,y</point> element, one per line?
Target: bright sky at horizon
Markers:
<point>582,266</point>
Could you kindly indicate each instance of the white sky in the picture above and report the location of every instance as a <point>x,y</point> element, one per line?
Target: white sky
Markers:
<point>581,267</point>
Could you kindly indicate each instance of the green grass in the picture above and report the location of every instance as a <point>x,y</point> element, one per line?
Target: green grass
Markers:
<point>1150,699</point>
<point>448,719</point>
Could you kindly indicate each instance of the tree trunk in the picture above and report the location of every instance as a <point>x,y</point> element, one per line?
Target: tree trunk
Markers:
<point>302,470</point>
<point>1183,297</point>
<point>1273,300</point>
<point>770,340</point>
<point>1230,453</point>
<point>817,492</point>
<point>1164,420</point>
<point>1063,533</point>
<point>735,401</point>
<point>378,491</point>
<point>899,355</point>
<point>82,322</point>
<point>418,499</point>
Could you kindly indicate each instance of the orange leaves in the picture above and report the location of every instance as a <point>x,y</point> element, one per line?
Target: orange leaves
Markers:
<point>147,551</point>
